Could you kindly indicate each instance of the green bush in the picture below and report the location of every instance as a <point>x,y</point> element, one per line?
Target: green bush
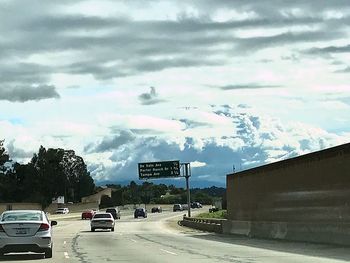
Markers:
<point>221,214</point>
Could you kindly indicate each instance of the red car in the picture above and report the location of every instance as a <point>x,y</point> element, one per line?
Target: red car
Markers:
<point>88,214</point>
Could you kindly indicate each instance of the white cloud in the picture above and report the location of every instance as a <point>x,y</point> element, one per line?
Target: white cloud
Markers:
<point>196,164</point>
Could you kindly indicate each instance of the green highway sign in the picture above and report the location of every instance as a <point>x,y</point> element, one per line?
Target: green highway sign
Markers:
<point>159,169</point>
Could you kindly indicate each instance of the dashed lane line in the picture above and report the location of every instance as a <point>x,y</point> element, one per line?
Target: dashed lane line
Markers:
<point>169,252</point>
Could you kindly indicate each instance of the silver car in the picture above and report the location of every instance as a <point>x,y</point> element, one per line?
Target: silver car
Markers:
<point>26,231</point>
<point>102,221</point>
<point>64,210</point>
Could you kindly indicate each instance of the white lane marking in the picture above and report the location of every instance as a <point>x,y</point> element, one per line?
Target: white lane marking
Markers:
<point>133,240</point>
<point>169,252</point>
<point>66,255</point>
<point>64,242</point>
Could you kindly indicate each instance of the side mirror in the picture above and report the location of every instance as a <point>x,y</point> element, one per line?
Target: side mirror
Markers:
<point>53,223</point>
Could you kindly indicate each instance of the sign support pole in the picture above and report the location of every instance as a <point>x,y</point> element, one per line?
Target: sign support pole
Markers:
<point>187,176</point>
<point>167,169</point>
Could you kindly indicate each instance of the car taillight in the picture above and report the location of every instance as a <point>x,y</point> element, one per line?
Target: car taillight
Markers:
<point>44,227</point>
<point>1,229</point>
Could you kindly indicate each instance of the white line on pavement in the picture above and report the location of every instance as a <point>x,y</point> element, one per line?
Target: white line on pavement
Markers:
<point>169,252</point>
<point>64,242</point>
<point>133,240</point>
<point>66,255</point>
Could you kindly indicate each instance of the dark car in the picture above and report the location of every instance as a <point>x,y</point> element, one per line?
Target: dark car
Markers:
<point>140,212</point>
<point>196,205</point>
<point>177,207</point>
<point>156,209</point>
<point>114,211</point>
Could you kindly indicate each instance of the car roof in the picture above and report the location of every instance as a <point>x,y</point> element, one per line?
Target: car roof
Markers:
<point>103,213</point>
<point>27,211</point>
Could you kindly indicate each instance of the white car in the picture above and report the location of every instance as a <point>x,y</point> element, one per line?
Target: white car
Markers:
<point>64,210</point>
<point>102,221</point>
<point>26,231</point>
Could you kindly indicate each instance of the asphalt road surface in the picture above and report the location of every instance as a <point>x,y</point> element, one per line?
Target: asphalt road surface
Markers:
<point>158,239</point>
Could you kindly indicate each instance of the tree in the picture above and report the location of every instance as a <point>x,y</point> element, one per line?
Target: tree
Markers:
<point>4,178</point>
<point>4,157</point>
<point>203,198</point>
<point>134,193</point>
<point>146,192</point>
<point>61,172</point>
<point>117,197</point>
<point>174,190</point>
<point>50,173</point>
<point>106,201</point>
<point>76,174</point>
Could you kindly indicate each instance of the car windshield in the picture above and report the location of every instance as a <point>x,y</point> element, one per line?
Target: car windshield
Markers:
<point>102,216</point>
<point>22,216</point>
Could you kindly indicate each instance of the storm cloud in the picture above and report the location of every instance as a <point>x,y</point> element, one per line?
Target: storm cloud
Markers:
<point>114,47</point>
<point>256,141</point>
<point>27,93</point>
<point>111,143</point>
<point>248,86</point>
<point>150,98</point>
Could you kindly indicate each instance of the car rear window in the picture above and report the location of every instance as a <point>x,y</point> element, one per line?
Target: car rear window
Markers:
<point>102,216</point>
<point>22,216</point>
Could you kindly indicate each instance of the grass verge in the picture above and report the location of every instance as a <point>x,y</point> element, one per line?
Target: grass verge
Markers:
<point>221,214</point>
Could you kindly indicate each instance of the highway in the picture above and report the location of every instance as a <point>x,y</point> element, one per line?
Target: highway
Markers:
<point>159,239</point>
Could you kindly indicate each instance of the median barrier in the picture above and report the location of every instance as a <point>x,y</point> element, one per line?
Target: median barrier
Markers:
<point>205,224</point>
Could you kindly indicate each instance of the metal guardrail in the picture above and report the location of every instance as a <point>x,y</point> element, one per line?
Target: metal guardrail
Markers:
<point>206,224</point>
<point>204,220</point>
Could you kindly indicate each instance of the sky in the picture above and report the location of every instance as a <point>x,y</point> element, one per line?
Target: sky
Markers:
<point>221,84</point>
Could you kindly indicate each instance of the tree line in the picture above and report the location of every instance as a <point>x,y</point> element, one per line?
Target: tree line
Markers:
<point>150,193</point>
<point>49,174</point>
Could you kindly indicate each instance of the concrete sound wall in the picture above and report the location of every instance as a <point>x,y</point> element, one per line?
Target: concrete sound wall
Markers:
<point>76,207</point>
<point>97,197</point>
<point>303,198</point>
